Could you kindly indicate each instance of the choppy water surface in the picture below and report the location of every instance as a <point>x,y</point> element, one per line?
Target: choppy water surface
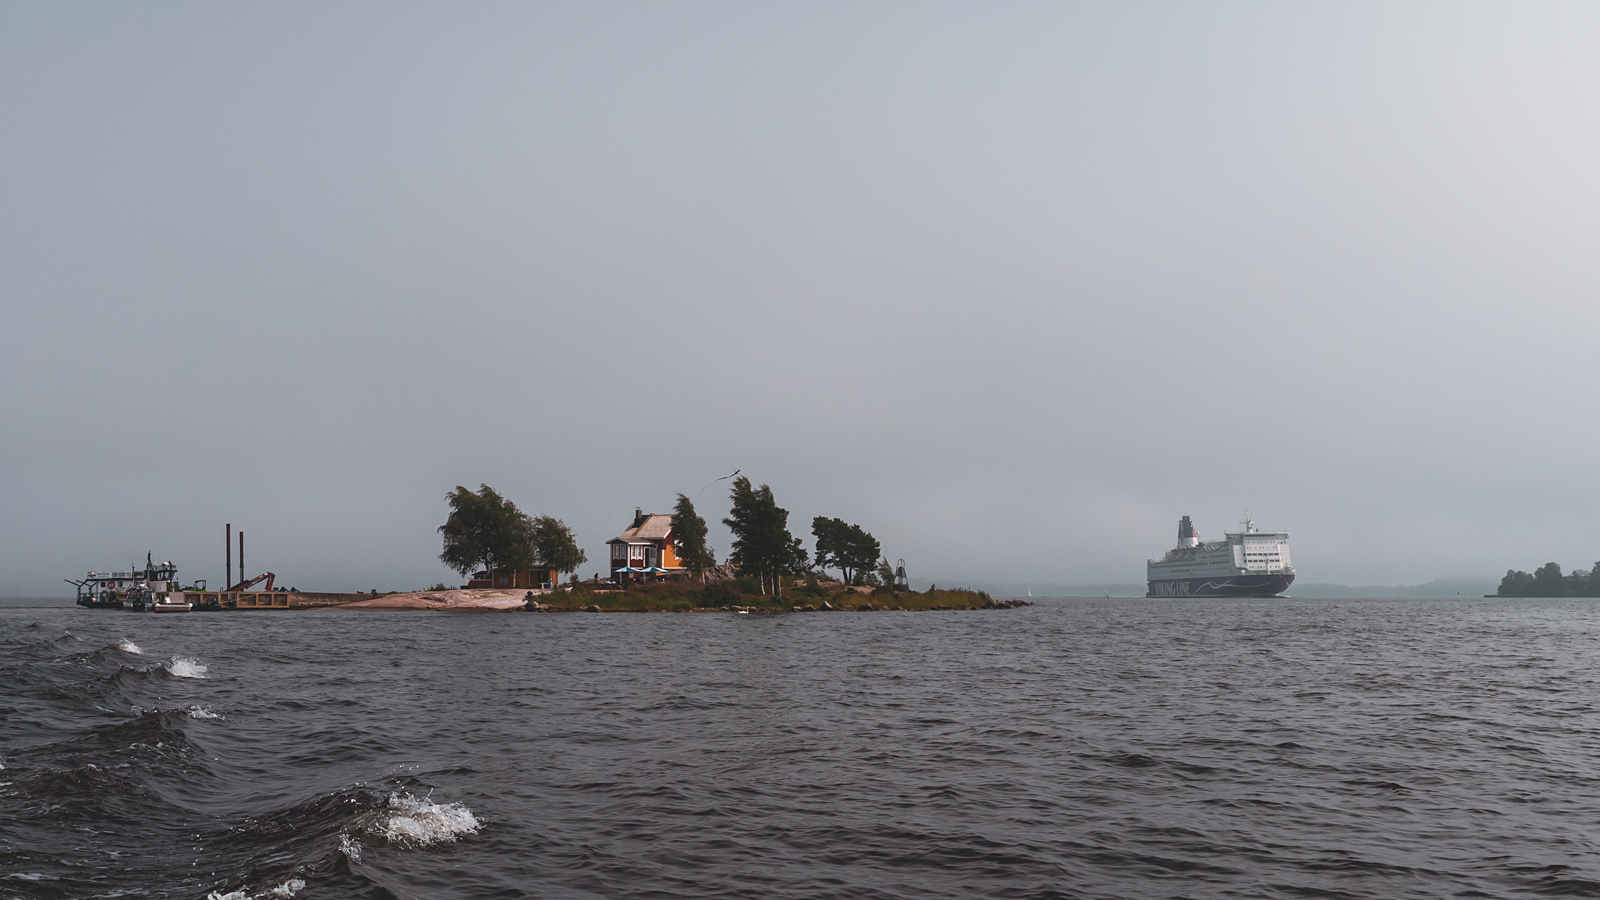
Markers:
<point>1121,748</point>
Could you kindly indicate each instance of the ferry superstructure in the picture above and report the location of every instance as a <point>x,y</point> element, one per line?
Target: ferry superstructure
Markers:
<point>1246,563</point>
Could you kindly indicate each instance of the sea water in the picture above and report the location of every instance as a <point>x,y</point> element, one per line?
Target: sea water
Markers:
<point>1076,748</point>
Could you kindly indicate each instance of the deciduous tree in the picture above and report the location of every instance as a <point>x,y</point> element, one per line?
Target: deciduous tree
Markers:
<point>555,546</point>
<point>1516,584</point>
<point>885,573</point>
<point>1547,581</point>
<point>485,530</point>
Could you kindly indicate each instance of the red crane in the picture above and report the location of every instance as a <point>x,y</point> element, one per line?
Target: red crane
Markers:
<point>246,585</point>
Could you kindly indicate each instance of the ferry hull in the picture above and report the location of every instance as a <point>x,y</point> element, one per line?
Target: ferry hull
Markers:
<point>1222,586</point>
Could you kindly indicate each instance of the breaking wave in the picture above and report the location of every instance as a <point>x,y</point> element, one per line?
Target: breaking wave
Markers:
<point>127,646</point>
<point>186,667</point>
<point>418,821</point>
<point>281,892</point>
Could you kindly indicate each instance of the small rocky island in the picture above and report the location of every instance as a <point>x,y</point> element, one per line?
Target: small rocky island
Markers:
<point>662,562</point>
<point>726,595</point>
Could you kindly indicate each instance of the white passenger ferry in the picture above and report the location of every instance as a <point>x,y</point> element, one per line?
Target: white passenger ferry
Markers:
<point>1248,563</point>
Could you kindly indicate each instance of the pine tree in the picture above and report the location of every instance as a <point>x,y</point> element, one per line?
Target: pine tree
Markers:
<point>845,547</point>
<point>689,538</point>
<point>762,545</point>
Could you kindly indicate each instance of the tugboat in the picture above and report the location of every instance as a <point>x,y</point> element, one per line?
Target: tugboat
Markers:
<point>135,589</point>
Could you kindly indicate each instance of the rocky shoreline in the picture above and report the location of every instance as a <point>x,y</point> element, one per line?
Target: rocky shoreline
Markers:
<point>598,601</point>
<point>462,600</point>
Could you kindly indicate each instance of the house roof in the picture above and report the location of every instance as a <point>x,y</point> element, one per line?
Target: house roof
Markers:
<point>650,527</point>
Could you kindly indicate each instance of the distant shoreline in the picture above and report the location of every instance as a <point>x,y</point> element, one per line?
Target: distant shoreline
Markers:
<point>654,598</point>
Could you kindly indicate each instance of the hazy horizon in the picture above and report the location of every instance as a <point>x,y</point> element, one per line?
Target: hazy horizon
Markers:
<point>1012,287</point>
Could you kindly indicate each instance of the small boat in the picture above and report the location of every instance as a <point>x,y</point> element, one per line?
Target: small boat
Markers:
<point>167,604</point>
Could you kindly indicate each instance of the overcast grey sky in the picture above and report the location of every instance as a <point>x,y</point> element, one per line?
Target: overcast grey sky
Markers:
<point>1013,286</point>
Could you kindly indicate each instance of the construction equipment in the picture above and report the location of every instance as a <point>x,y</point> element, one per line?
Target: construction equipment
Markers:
<point>248,584</point>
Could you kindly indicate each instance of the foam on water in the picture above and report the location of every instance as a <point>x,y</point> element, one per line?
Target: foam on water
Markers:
<point>127,646</point>
<point>185,667</point>
<point>350,847</point>
<point>281,892</point>
<point>200,712</point>
<point>418,821</point>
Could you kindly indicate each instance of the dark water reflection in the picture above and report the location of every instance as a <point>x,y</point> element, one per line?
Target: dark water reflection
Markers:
<point>1121,748</point>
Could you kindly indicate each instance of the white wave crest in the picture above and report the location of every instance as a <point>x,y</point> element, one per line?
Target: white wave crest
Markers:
<point>184,667</point>
<point>281,892</point>
<point>200,712</point>
<point>127,646</point>
<point>350,847</point>
<point>418,822</point>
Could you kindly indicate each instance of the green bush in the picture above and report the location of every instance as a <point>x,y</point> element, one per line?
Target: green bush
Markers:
<point>720,594</point>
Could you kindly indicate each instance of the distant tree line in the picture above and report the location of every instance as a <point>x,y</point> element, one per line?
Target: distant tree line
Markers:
<point>1547,581</point>
<point>765,550</point>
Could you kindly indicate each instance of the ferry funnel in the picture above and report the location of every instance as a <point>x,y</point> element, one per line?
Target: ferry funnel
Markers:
<point>1186,535</point>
